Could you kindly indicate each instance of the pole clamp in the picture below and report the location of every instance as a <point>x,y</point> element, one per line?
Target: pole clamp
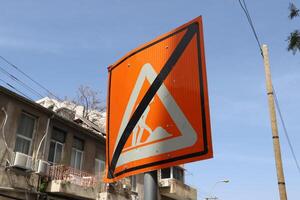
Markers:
<point>275,137</point>
<point>268,93</point>
<point>281,183</point>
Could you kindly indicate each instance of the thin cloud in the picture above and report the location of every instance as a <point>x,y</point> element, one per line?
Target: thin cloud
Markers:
<point>29,44</point>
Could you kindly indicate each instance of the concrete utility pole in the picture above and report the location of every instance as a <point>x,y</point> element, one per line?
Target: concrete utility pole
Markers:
<point>276,144</point>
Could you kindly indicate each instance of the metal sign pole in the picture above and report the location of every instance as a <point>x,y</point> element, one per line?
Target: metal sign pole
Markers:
<point>150,186</point>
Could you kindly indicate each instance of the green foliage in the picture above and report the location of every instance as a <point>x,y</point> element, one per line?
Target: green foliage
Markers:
<point>294,11</point>
<point>294,41</point>
<point>294,37</point>
<point>43,185</point>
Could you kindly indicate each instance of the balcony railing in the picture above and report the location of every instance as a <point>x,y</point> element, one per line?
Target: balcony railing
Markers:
<point>71,175</point>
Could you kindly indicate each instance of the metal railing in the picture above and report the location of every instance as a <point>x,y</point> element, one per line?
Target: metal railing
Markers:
<point>71,175</point>
<point>84,179</point>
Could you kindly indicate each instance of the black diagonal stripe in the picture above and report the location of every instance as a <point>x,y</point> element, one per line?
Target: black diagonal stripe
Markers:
<point>192,29</point>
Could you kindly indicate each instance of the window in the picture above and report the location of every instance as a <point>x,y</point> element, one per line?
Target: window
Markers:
<point>56,145</point>
<point>77,153</point>
<point>25,133</point>
<point>178,173</point>
<point>173,172</point>
<point>133,183</point>
<point>99,167</point>
<point>165,173</point>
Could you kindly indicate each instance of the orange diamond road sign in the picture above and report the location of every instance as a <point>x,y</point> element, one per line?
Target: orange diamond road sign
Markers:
<point>158,113</point>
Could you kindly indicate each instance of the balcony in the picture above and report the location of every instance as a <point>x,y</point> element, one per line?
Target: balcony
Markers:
<point>175,189</point>
<point>67,181</point>
<point>120,190</point>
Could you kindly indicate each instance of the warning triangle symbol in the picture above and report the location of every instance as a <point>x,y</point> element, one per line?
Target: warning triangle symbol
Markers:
<point>159,140</point>
<point>154,125</point>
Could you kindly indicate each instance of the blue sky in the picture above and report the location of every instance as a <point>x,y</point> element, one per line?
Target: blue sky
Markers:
<point>64,44</point>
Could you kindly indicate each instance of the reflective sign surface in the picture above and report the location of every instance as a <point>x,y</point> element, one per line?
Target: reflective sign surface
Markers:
<point>158,113</point>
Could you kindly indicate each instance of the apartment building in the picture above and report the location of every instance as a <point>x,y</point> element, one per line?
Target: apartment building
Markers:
<point>54,154</point>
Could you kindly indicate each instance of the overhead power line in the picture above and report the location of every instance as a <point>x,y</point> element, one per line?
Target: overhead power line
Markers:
<point>286,132</point>
<point>30,78</point>
<point>14,78</point>
<point>245,9</point>
<point>14,88</point>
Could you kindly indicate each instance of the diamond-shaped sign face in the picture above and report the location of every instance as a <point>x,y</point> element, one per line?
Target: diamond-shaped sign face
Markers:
<point>158,113</point>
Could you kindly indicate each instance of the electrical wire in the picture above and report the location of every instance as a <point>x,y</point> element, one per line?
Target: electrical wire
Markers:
<point>40,144</point>
<point>14,78</point>
<point>245,9</point>
<point>26,75</point>
<point>4,137</point>
<point>14,88</point>
<point>285,131</point>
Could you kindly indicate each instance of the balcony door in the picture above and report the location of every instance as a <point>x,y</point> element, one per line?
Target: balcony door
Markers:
<point>77,153</point>
<point>56,146</point>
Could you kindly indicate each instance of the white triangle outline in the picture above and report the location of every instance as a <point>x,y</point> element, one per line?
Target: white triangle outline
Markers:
<point>188,134</point>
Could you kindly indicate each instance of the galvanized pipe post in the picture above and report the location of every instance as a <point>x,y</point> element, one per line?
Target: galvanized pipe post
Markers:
<point>150,186</point>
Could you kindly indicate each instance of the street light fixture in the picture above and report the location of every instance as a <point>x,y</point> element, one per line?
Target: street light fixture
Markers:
<point>225,181</point>
<point>210,197</point>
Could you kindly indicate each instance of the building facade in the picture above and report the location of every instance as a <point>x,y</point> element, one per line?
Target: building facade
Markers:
<point>54,154</point>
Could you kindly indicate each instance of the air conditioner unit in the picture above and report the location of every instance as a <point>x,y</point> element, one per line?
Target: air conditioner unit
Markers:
<point>41,168</point>
<point>22,161</point>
